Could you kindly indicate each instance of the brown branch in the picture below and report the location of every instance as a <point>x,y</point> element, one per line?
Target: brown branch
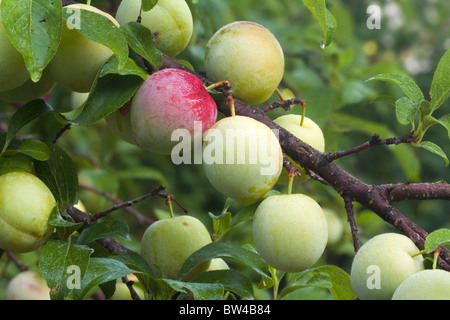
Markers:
<point>285,104</point>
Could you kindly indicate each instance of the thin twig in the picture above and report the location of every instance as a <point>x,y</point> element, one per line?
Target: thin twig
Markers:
<point>129,203</point>
<point>351,219</point>
<point>374,141</point>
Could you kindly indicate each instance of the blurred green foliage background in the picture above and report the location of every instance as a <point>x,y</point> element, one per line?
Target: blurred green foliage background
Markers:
<point>413,36</point>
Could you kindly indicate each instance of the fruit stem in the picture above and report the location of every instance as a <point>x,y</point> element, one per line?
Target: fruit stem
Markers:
<point>88,2</point>
<point>169,205</point>
<point>435,257</point>
<point>303,114</point>
<point>280,95</point>
<point>291,182</point>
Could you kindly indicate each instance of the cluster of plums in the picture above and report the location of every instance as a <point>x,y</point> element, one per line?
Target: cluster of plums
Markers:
<point>290,231</point>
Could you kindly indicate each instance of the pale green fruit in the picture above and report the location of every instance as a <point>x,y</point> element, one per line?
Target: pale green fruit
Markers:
<point>171,19</point>
<point>425,285</point>
<point>218,264</point>
<point>27,285</point>
<point>78,98</point>
<point>335,226</point>
<point>382,264</point>
<point>78,58</point>
<point>309,132</point>
<point>13,71</point>
<point>290,231</point>
<point>167,243</point>
<point>25,207</point>
<point>30,90</point>
<point>242,158</point>
<point>120,123</point>
<point>247,55</point>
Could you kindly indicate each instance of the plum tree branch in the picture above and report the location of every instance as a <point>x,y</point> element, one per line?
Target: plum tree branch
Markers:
<point>376,198</point>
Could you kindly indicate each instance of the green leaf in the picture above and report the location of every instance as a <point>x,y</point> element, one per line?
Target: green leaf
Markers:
<point>100,29</point>
<point>34,27</point>
<point>221,223</point>
<point>135,261</point>
<point>227,251</point>
<point>445,122</point>
<point>200,291</point>
<point>101,270</point>
<point>406,84</point>
<point>406,110</point>
<point>330,277</point>
<point>23,116</point>
<point>325,18</point>
<point>109,94</point>
<point>15,162</point>
<point>59,262</point>
<point>140,40</point>
<point>57,220</point>
<point>231,280</point>
<point>35,148</point>
<point>432,147</point>
<point>147,5</point>
<point>112,67</point>
<point>440,86</point>
<point>60,175</point>
<point>341,287</point>
<point>437,238</point>
<point>104,229</point>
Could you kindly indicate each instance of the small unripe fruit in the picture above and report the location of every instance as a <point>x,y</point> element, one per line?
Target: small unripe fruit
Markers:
<point>27,285</point>
<point>425,285</point>
<point>247,55</point>
<point>79,58</point>
<point>335,226</point>
<point>382,264</point>
<point>167,243</point>
<point>290,231</point>
<point>168,100</point>
<point>170,19</point>
<point>218,264</point>
<point>13,71</point>
<point>309,132</point>
<point>26,204</point>
<point>242,158</point>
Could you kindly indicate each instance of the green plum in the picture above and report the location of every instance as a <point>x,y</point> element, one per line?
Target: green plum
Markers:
<point>382,264</point>
<point>290,231</point>
<point>79,58</point>
<point>431,284</point>
<point>242,158</point>
<point>13,71</point>
<point>30,90</point>
<point>167,243</point>
<point>26,204</point>
<point>309,132</point>
<point>247,55</point>
<point>171,19</point>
